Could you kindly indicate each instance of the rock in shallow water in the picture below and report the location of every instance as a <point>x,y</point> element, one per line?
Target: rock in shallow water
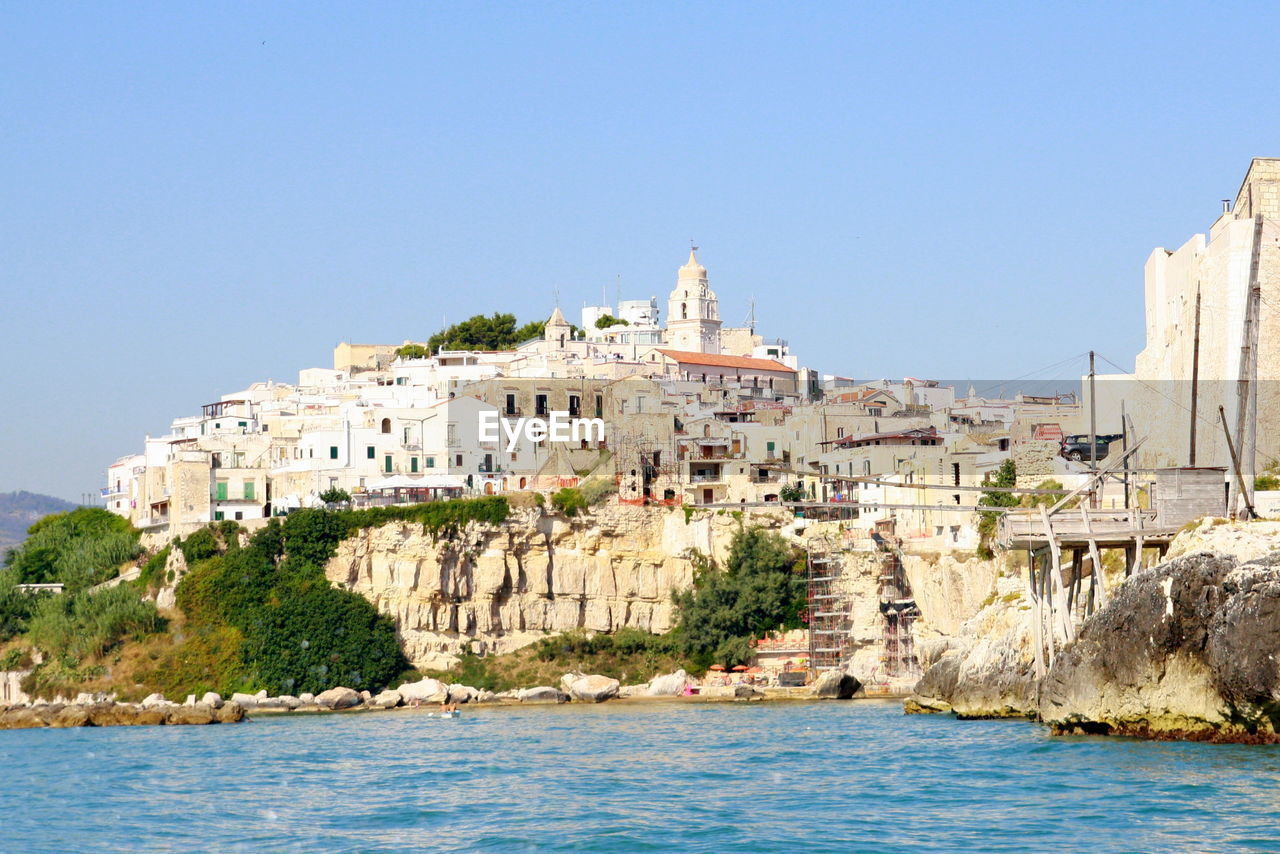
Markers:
<point>836,685</point>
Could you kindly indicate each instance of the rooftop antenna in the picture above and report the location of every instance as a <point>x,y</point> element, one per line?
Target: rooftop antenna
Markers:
<point>555,292</point>
<point>751,314</point>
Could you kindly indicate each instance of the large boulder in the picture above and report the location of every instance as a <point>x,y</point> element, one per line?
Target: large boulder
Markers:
<point>190,715</point>
<point>1187,649</point>
<point>71,716</point>
<point>212,699</point>
<point>542,694</point>
<point>594,689</point>
<point>388,700</point>
<point>154,701</point>
<point>338,698</point>
<point>836,685</point>
<point>459,694</point>
<point>671,685</point>
<point>229,713</point>
<point>246,701</point>
<point>22,717</point>
<point>747,692</point>
<point>567,680</point>
<point>426,690</point>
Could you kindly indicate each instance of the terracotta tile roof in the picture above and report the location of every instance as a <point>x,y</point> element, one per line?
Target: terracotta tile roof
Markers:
<point>685,357</point>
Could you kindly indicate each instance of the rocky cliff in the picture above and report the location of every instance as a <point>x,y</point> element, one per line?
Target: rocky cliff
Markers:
<point>499,587</point>
<point>1186,649</point>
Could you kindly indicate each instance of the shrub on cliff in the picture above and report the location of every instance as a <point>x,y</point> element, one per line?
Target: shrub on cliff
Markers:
<point>294,632</point>
<point>77,549</point>
<point>88,624</point>
<point>761,589</point>
<point>569,501</point>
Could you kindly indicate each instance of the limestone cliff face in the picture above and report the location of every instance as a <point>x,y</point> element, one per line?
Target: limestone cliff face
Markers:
<point>501,587</point>
<point>949,591</point>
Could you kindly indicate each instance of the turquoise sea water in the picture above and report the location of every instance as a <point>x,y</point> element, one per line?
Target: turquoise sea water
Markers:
<point>856,776</point>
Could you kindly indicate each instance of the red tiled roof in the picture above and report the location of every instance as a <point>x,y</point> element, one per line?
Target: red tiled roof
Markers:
<point>685,357</point>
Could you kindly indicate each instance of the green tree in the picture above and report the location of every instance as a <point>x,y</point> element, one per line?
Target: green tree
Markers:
<point>412,351</point>
<point>1005,477</point>
<point>761,589</point>
<point>495,332</point>
<point>333,495</point>
<point>792,492</point>
<point>604,321</point>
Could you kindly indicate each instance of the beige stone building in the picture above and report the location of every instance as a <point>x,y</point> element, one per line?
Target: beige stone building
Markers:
<point>1235,268</point>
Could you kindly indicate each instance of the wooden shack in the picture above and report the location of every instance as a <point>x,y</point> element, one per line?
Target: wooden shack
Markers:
<point>1186,493</point>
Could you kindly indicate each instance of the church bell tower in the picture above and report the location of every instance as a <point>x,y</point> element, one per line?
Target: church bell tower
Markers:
<point>693,312</point>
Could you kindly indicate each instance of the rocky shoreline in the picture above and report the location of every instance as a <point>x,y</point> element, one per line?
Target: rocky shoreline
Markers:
<point>109,713</point>
<point>424,694</point>
<point>1187,650</point>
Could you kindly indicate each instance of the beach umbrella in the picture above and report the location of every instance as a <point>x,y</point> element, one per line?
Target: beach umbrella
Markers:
<point>756,669</point>
<point>716,667</point>
<point>739,668</point>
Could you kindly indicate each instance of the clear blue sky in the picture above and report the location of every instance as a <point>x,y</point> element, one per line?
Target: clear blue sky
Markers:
<point>197,196</point>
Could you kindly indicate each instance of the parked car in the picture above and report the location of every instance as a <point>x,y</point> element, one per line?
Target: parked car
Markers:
<point>1077,447</point>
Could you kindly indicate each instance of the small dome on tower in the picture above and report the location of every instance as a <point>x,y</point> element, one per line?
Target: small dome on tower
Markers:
<point>692,267</point>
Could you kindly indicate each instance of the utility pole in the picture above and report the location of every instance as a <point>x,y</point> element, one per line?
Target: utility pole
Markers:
<point>1093,417</point>
<point>1124,446</point>
<point>1195,379</point>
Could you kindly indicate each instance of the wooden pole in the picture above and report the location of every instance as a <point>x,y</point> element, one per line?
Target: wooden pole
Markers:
<point>1033,582</point>
<point>1235,463</point>
<point>1059,592</point>
<point>1093,554</point>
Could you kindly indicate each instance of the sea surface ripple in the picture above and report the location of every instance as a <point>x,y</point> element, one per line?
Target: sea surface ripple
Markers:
<point>856,776</point>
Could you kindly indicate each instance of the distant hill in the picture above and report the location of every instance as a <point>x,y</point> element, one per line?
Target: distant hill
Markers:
<point>18,510</point>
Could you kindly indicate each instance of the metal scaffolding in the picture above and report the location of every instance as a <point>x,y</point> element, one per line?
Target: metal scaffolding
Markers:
<point>897,605</point>
<point>830,619</point>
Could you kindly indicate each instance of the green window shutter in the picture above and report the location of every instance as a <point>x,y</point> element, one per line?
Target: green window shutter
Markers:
<point>373,454</point>
<point>333,452</point>
<point>769,447</point>
<point>222,490</point>
<point>413,464</point>
<point>387,463</point>
<point>217,515</point>
<point>248,490</point>
<point>431,462</point>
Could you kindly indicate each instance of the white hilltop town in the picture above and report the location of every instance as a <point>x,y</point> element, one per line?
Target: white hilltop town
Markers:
<point>697,413</point>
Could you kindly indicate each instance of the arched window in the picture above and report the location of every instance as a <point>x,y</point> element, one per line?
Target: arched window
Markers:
<point>684,311</point>
<point>523,481</point>
<point>561,342</point>
<point>386,425</point>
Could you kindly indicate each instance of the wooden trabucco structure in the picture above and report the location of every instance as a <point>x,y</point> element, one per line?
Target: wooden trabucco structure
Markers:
<point>1065,544</point>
